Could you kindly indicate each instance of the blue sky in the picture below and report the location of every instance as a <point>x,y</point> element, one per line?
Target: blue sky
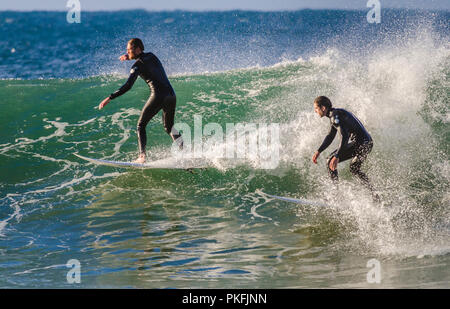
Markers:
<point>265,5</point>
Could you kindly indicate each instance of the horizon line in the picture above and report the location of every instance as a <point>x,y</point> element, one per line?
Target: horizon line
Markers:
<point>225,10</point>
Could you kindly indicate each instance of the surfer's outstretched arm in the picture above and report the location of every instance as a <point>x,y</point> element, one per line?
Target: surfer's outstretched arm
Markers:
<point>326,142</point>
<point>134,73</point>
<point>315,156</point>
<point>328,139</point>
<point>104,102</point>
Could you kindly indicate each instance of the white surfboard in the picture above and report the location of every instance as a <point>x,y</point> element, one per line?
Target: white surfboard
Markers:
<point>169,163</point>
<point>297,200</point>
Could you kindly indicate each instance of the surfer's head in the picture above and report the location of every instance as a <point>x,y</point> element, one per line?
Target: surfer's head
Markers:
<point>134,48</point>
<point>322,105</point>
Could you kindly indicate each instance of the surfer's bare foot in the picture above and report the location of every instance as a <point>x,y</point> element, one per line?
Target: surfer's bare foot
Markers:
<point>140,160</point>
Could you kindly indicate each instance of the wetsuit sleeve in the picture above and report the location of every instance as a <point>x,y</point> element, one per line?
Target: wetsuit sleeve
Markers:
<point>328,139</point>
<point>134,73</point>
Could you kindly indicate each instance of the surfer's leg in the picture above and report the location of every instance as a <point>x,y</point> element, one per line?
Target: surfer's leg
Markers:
<point>151,108</point>
<point>361,154</point>
<point>168,120</point>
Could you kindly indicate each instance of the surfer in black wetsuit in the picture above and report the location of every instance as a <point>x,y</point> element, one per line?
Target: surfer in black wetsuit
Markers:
<point>150,69</point>
<point>356,142</point>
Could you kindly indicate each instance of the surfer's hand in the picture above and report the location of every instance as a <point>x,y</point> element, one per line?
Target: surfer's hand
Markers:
<point>333,163</point>
<point>103,103</point>
<point>315,156</point>
<point>124,57</point>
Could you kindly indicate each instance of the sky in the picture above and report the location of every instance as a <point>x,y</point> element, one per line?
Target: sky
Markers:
<point>207,5</point>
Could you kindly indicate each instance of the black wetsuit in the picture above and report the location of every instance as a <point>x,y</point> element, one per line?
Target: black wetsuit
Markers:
<point>356,143</point>
<point>150,69</point>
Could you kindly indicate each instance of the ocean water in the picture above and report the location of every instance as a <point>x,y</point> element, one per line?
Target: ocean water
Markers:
<point>215,228</point>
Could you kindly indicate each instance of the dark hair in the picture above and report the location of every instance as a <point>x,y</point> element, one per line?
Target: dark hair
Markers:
<point>323,101</point>
<point>136,43</point>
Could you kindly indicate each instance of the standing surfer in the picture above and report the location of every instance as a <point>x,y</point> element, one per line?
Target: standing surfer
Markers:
<point>356,142</point>
<point>150,69</point>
